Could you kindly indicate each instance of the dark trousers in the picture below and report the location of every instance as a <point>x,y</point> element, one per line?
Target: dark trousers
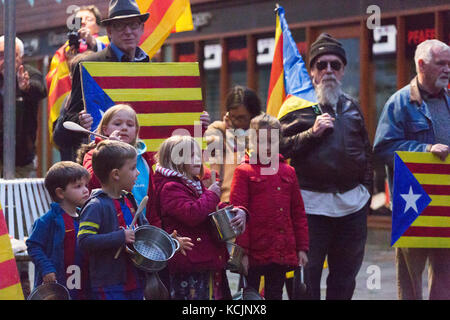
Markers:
<point>274,276</point>
<point>342,240</point>
<point>410,264</point>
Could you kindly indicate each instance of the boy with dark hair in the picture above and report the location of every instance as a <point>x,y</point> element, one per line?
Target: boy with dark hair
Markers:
<point>103,227</point>
<point>52,243</point>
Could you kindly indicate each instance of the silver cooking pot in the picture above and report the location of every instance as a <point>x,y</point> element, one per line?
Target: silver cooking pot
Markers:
<point>234,263</point>
<point>221,221</point>
<point>49,291</point>
<point>152,248</point>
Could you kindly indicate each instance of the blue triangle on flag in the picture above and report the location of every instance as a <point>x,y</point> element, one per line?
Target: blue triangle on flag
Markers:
<point>409,199</point>
<point>96,100</point>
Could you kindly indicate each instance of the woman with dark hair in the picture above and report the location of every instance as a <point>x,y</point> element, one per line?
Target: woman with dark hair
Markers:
<point>242,105</point>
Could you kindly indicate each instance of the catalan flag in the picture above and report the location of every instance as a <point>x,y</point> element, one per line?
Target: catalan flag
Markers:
<point>59,84</point>
<point>10,287</point>
<point>420,201</point>
<point>166,16</point>
<point>290,87</point>
<point>165,96</point>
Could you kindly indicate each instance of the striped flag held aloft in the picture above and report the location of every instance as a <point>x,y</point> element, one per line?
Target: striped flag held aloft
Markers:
<point>166,17</point>
<point>165,96</point>
<point>421,201</point>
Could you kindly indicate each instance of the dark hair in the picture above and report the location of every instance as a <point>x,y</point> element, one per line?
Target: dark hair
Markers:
<point>95,12</point>
<point>110,155</point>
<point>240,95</point>
<point>61,174</point>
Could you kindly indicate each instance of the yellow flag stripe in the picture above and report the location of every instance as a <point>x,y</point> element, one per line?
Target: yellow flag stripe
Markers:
<point>156,94</point>
<point>434,179</point>
<point>421,157</point>
<point>422,242</point>
<point>6,252</point>
<point>167,119</point>
<point>439,201</point>
<point>13,292</point>
<point>153,144</point>
<point>276,97</point>
<point>431,221</point>
<point>292,104</point>
<point>144,5</point>
<point>124,69</point>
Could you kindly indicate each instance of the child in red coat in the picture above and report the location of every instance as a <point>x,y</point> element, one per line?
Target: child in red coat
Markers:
<point>276,236</point>
<point>184,204</point>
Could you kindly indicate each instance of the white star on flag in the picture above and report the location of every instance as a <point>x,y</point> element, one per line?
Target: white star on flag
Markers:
<point>410,199</point>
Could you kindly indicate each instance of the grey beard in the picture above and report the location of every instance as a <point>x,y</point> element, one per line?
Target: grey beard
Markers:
<point>328,92</point>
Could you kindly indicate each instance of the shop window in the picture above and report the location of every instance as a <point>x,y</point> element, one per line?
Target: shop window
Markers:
<point>212,63</point>
<point>237,60</point>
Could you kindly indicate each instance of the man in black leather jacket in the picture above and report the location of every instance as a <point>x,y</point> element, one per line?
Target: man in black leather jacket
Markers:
<point>331,153</point>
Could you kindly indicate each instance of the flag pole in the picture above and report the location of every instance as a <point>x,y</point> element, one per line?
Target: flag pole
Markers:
<point>9,97</point>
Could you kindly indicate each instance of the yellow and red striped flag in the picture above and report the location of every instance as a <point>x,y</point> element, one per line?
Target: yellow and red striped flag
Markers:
<point>290,86</point>
<point>276,94</point>
<point>59,84</point>
<point>10,287</point>
<point>165,96</point>
<point>166,16</point>
<point>420,201</point>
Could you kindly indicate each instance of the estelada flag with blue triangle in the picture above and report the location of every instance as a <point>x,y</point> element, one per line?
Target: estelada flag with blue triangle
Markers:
<point>290,87</point>
<point>165,96</point>
<point>420,201</point>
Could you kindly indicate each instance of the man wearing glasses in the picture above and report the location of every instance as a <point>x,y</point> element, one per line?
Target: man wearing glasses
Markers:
<point>124,26</point>
<point>330,150</point>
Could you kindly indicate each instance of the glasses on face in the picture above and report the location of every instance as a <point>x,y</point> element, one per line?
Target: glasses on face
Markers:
<point>238,118</point>
<point>120,25</point>
<point>335,65</point>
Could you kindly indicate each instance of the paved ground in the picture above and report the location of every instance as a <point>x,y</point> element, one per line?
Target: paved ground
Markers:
<point>379,260</point>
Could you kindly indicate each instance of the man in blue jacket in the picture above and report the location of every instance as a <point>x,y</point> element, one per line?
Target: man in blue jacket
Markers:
<point>416,118</point>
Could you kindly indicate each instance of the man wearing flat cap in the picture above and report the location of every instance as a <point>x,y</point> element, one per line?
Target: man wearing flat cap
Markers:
<point>124,26</point>
<point>331,153</point>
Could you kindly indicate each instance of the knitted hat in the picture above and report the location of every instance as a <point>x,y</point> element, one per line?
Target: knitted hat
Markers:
<point>326,44</point>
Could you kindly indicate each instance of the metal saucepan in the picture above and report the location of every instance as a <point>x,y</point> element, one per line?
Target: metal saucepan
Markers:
<point>221,220</point>
<point>152,248</point>
<point>155,288</point>
<point>49,291</point>
<point>246,292</point>
<point>234,263</point>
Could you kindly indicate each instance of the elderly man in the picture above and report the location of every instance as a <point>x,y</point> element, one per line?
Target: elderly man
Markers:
<point>329,148</point>
<point>29,92</point>
<point>416,118</point>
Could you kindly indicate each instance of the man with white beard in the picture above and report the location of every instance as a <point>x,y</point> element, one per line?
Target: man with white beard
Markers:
<point>417,118</point>
<point>330,150</point>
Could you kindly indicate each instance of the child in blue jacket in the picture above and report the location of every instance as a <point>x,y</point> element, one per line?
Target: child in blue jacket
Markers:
<point>52,244</point>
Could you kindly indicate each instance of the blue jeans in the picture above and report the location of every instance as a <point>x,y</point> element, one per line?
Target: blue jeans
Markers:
<point>342,240</point>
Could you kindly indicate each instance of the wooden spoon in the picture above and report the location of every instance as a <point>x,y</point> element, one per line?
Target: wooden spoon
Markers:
<point>72,126</point>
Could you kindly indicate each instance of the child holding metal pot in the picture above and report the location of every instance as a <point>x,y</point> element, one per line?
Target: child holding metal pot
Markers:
<point>276,238</point>
<point>184,204</point>
<point>106,224</point>
<point>52,243</point>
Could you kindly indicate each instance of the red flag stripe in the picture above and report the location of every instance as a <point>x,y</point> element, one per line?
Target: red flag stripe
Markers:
<point>436,211</point>
<point>162,132</point>
<point>157,10</point>
<point>436,189</point>
<point>148,82</point>
<point>164,106</point>
<point>430,168</point>
<point>3,227</point>
<point>277,65</point>
<point>9,274</point>
<point>441,232</point>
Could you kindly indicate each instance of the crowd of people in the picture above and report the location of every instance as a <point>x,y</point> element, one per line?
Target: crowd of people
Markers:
<point>310,209</point>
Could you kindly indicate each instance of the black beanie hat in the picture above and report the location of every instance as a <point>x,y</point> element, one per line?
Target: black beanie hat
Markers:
<point>326,44</point>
